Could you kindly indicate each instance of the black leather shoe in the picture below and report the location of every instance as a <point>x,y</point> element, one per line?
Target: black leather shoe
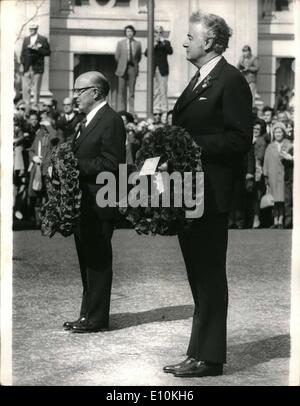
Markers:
<point>200,369</point>
<point>69,324</point>
<point>86,326</point>
<point>171,369</point>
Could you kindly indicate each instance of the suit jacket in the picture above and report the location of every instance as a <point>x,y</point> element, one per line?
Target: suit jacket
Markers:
<point>100,147</point>
<point>161,52</point>
<point>218,116</point>
<point>121,56</point>
<point>66,129</point>
<point>35,58</point>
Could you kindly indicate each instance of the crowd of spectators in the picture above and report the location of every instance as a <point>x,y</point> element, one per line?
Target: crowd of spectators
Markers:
<point>38,128</point>
<point>268,182</point>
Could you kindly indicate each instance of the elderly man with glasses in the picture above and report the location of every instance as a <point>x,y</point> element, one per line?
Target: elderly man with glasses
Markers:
<point>99,146</point>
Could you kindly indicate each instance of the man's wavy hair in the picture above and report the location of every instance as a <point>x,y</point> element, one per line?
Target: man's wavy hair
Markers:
<point>217,29</point>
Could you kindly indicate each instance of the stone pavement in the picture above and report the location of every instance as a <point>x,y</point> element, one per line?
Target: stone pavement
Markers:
<point>151,312</point>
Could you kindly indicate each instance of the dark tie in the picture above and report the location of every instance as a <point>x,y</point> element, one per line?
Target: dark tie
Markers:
<point>130,51</point>
<point>83,124</point>
<point>81,129</point>
<point>193,81</point>
<point>189,89</point>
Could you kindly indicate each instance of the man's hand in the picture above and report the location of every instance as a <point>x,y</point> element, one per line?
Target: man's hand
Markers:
<point>286,155</point>
<point>163,167</point>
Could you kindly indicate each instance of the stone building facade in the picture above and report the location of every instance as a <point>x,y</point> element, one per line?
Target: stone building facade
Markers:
<point>83,35</point>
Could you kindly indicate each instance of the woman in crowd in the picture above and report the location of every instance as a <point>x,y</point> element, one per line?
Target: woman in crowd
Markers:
<point>39,156</point>
<point>19,179</point>
<point>259,144</point>
<point>273,171</point>
<point>287,159</point>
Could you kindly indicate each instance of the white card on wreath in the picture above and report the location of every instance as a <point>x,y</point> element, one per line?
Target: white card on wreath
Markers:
<point>50,170</point>
<point>149,167</point>
<point>158,180</point>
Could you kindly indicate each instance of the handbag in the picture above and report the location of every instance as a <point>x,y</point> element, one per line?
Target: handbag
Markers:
<point>37,177</point>
<point>267,200</point>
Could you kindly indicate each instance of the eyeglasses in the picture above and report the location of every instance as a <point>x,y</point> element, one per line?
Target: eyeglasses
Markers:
<point>21,108</point>
<point>82,90</point>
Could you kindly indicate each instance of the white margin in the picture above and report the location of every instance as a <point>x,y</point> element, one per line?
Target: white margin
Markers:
<point>7,20</point>
<point>294,376</point>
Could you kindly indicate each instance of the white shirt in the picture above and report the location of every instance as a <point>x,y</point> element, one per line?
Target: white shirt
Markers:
<point>279,145</point>
<point>128,48</point>
<point>70,116</point>
<point>207,68</point>
<point>33,39</point>
<point>93,112</point>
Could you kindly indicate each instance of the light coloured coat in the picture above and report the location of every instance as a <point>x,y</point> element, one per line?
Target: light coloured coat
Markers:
<point>121,56</point>
<point>274,170</point>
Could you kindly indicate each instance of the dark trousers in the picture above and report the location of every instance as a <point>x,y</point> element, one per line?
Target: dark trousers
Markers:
<point>128,79</point>
<point>288,203</point>
<point>93,244</point>
<point>204,248</point>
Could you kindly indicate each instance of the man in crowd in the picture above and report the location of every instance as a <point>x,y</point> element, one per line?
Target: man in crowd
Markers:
<point>216,109</point>
<point>35,48</point>
<point>282,116</point>
<point>249,66</point>
<point>50,107</point>
<point>68,122</point>
<point>99,146</point>
<point>162,48</point>
<point>128,55</point>
<point>268,114</point>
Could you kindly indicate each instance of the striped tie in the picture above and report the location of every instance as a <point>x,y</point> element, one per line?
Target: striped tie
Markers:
<point>81,128</point>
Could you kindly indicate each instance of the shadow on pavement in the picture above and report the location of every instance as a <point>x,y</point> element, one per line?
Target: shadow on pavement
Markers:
<point>247,355</point>
<point>124,320</point>
<point>240,356</point>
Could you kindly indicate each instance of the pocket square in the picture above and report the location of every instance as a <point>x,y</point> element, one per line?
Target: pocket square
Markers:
<point>202,98</point>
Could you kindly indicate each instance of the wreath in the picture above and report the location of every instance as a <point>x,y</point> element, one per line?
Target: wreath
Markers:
<point>175,146</point>
<point>62,210</point>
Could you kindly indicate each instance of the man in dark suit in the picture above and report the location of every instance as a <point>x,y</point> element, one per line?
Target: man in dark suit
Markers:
<point>128,55</point>
<point>162,48</point>
<point>34,49</point>
<point>216,109</point>
<point>99,146</point>
<point>66,125</point>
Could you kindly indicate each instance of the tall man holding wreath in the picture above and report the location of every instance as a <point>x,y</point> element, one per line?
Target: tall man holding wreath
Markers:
<point>215,109</point>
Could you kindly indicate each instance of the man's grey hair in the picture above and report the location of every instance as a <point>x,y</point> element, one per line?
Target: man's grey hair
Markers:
<point>217,29</point>
<point>97,79</point>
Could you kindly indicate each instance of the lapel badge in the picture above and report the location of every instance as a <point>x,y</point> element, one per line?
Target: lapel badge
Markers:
<point>206,82</point>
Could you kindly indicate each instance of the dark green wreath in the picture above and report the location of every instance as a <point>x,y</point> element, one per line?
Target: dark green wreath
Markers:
<point>176,147</point>
<point>62,210</point>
